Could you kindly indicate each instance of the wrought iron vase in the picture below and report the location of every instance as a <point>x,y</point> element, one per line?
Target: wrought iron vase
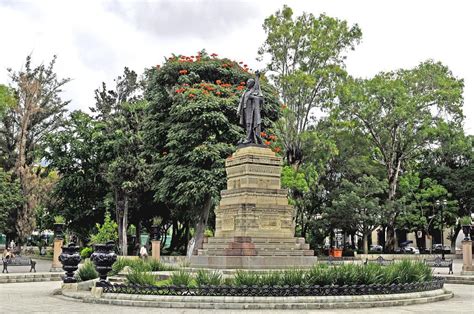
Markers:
<point>103,258</point>
<point>155,232</point>
<point>58,231</point>
<point>467,232</point>
<point>70,258</point>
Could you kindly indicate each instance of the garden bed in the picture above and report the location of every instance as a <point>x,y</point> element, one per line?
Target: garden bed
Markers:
<point>273,291</point>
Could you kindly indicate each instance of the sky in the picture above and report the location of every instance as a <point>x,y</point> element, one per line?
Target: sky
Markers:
<point>95,40</point>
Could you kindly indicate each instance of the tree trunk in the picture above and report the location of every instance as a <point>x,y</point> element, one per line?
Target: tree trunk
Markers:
<point>119,216</point>
<point>366,243</point>
<point>196,242</point>
<point>125,226</point>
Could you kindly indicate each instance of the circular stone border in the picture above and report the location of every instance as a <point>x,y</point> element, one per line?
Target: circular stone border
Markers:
<point>255,303</point>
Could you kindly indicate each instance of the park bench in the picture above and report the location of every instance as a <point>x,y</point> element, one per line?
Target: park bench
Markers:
<point>18,261</point>
<point>441,263</point>
<point>380,261</point>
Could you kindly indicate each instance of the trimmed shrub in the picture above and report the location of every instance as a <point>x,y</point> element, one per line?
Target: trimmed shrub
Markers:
<point>246,278</point>
<point>181,278</point>
<point>87,271</point>
<point>140,277</point>
<point>207,278</point>
<point>86,252</point>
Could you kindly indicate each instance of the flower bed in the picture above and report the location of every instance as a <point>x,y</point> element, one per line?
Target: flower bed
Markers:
<point>321,280</point>
<point>265,291</point>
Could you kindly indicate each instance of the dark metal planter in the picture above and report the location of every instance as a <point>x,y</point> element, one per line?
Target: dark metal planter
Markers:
<point>155,232</point>
<point>103,258</point>
<point>58,231</point>
<point>467,232</point>
<point>70,258</point>
<point>274,291</point>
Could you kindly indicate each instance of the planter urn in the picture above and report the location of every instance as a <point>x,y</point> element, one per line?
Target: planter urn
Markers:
<point>70,258</point>
<point>155,232</point>
<point>466,229</point>
<point>103,258</point>
<point>58,230</point>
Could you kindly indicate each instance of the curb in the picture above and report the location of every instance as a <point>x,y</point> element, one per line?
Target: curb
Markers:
<point>255,303</point>
<point>33,277</point>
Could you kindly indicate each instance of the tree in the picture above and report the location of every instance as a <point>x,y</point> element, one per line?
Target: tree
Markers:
<point>358,205</point>
<point>7,99</point>
<point>122,111</point>
<point>38,111</point>
<point>192,128</point>
<point>401,112</point>
<point>11,199</point>
<point>307,58</point>
<point>76,154</point>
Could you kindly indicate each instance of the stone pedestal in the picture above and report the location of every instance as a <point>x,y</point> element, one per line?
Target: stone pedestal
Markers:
<point>56,264</point>
<point>155,249</point>
<point>467,256</point>
<point>254,218</point>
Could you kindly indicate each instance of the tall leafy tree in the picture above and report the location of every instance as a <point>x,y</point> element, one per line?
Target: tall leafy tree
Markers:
<point>192,128</point>
<point>401,112</point>
<point>11,199</point>
<point>38,111</point>
<point>307,62</point>
<point>76,154</point>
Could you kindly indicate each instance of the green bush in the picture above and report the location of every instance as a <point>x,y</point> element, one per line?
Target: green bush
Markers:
<point>246,278</point>
<point>87,271</point>
<point>139,277</point>
<point>105,232</point>
<point>181,278</point>
<point>86,252</point>
<point>272,278</point>
<point>156,265</point>
<point>293,277</point>
<point>206,278</point>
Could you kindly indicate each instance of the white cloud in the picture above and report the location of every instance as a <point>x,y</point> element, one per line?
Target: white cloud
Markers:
<point>95,40</point>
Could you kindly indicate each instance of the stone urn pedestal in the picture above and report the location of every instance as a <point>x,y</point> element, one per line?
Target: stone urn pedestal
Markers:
<point>254,222</point>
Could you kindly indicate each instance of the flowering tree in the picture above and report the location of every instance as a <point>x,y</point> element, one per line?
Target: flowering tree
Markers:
<point>192,128</point>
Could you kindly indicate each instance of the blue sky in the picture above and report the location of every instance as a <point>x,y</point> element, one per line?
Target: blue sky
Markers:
<point>94,40</point>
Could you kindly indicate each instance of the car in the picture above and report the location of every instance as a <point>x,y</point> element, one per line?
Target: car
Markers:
<point>438,248</point>
<point>376,248</point>
<point>410,250</point>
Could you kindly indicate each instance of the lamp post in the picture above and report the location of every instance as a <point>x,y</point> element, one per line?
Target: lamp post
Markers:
<point>441,207</point>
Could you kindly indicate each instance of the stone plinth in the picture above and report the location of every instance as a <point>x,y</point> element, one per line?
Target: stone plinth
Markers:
<point>155,249</point>
<point>254,217</point>
<point>467,256</point>
<point>56,264</point>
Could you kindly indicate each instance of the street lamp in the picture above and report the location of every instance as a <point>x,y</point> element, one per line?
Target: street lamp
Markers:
<point>441,207</point>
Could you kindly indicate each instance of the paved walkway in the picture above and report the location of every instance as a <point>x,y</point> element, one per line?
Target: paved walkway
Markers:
<point>38,298</point>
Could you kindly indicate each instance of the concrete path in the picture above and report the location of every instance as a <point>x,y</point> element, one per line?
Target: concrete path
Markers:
<point>38,298</point>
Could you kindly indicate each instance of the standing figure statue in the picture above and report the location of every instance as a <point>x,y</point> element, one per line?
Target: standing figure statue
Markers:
<point>249,111</point>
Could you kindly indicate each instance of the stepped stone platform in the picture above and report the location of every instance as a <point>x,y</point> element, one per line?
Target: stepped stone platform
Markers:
<point>254,222</point>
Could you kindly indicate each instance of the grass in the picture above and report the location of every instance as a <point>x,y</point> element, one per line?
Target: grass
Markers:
<point>149,264</point>
<point>87,271</point>
<point>405,271</point>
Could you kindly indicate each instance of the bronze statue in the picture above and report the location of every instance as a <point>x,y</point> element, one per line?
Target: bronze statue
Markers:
<point>249,111</point>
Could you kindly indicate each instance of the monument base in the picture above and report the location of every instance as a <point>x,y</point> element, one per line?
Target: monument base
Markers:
<point>252,262</point>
